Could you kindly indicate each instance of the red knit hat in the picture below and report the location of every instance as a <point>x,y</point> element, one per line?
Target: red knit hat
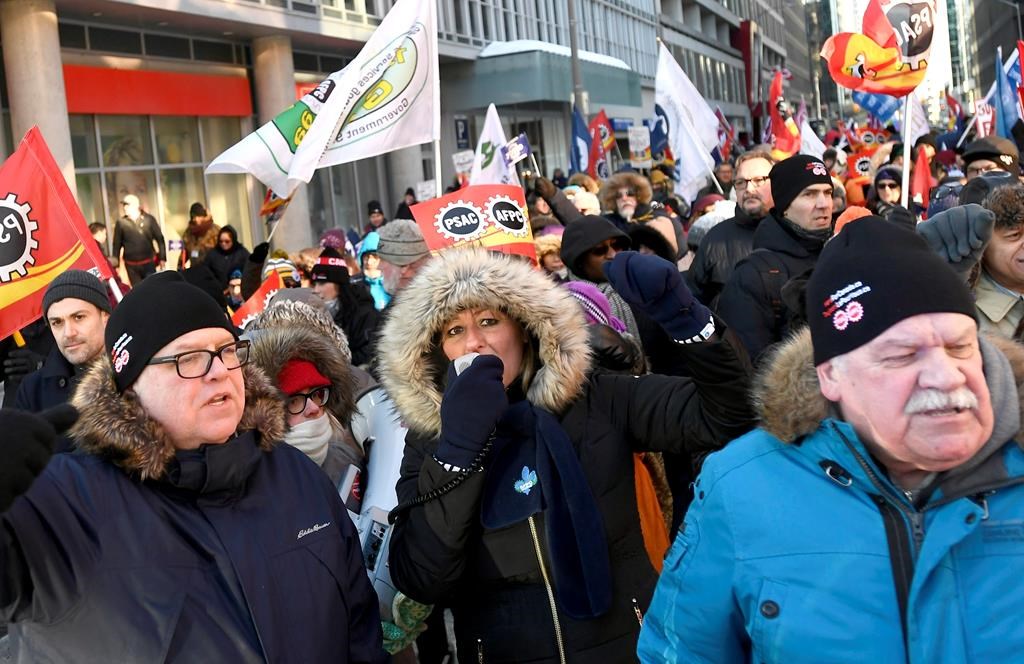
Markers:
<point>299,376</point>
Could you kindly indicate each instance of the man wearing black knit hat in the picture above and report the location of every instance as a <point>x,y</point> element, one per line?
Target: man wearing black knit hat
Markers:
<point>183,530</point>
<point>76,308</point>
<point>350,304</point>
<point>786,245</point>
<point>880,501</point>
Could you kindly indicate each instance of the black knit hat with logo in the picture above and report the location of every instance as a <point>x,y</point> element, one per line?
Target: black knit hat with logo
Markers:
<point>871,276</point>
<point>160,309</point>
<point>330,267</point>
<point>791,176</point>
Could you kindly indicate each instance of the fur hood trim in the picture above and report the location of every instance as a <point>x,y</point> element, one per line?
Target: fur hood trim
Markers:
<point>115,425</point>
<point>272,347</point>
<point>627,180</point>
<point>461,279</point>
<point>787,395</point>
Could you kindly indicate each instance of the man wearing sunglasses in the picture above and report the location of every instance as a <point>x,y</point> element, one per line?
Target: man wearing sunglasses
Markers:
<point>184,531</point>
<point>992,153</point>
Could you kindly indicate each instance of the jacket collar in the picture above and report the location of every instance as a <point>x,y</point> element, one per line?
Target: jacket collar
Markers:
<point>116,426</point>
<point>56,365</point>
<point>993,301</point>
<point>772,234</point>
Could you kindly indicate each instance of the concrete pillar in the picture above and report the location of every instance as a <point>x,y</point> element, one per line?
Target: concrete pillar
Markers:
<point>274,73</point>
<point>35,79</point>
<point>405,169</point>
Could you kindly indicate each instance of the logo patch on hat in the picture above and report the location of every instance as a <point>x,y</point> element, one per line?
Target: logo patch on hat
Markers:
<point>1006,159</point>
<point>842,306</point>
<point>817,168</point>
<point>119,354</point>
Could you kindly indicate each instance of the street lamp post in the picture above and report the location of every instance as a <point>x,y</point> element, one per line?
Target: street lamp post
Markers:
<point>1016,7</point>
<point>577,78</point>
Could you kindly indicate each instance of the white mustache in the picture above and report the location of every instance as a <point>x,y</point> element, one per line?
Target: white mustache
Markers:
<point>923,401</point>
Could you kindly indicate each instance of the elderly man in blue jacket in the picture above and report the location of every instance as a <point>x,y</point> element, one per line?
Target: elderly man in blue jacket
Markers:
<point>876,515</point>
<point>182,531</point>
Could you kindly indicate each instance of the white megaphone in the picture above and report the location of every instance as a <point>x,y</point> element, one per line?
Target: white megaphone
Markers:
<point>377,427</point>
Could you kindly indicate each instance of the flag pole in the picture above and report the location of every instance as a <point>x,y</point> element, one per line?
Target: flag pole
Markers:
<point>437,167</point>
<point>908,121</point>
<point>115,289</point>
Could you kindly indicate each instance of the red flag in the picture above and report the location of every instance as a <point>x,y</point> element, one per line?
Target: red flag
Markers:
<point>42,233</point>
<point>602,127</point>
<point>785,131</point>
<point>921,183</point>
<point>726,134</point>
<point>1020,54</point>
<point>597,163</point>
<point>259,300</point>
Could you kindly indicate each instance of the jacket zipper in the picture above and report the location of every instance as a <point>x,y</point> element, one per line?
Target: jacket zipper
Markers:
<point>639,614</point>
<point>479,651</point>
<point>551,592</point>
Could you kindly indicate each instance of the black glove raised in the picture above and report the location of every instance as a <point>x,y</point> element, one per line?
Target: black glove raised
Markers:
<point>472,405</point>
<point>28,440</point>
<point>260,252</point>
<point>21,362</point>
<point>612,351</point>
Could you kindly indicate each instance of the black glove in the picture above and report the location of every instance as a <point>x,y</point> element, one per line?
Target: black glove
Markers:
<point>260,252</point>
<point>545,187</point>
<point>28,445</point>
<point>473,403</point>
<point>959,235</point>
<point>612,351</point>
<point>897,214</point>
<point>654,285</point>
<point>21,362</point>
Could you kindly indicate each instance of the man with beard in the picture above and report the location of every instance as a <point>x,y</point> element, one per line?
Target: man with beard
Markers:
<point>786,245</point>
<point>76,308</point>
<point>731,241</point>
<point>403,253</point>
<point>877,509</point>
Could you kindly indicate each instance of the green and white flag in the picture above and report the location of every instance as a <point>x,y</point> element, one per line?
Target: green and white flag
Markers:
<point>387,98</point>
<point>489,165</point>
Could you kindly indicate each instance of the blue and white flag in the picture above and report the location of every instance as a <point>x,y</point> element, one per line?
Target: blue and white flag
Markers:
<point>579,147</point>
<point>1005,100</point>
<point>882,107</point>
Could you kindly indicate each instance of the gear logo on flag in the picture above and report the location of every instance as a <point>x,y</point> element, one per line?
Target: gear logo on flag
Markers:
<point>507,214</point>
<point>461,221</point>
<point>17,238</point>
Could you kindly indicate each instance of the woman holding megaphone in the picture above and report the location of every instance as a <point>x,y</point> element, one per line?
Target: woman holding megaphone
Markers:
<point>517,502</point>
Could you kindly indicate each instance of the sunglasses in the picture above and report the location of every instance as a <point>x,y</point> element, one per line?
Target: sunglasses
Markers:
<point>630,193</point>
<point>602,249</point>
<point>887,185</point>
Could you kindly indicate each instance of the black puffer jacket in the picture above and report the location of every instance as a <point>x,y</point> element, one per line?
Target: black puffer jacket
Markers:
<point>223,263</point>
<point>719,252</point>
<point>137,552</point>
<point>494,580</point>
<point>752,302</point>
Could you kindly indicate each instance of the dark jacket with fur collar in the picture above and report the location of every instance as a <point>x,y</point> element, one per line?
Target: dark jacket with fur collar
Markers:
<point>492,579</point>
<point>131,551</point>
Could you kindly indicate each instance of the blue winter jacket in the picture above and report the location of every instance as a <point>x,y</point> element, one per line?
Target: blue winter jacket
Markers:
<point>805,552</point>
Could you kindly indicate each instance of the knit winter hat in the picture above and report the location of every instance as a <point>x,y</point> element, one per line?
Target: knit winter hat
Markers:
<point>298,375</point>
<point>401,242</point>
<point>80,285</point>
<point>160,309</point>
<point>330,267</point>
<point>374,206</point>
<point>596,307</point>
<point>1001,150</point>
<point>283,267</point>
<point>791,176</point>
<point>871,276</point>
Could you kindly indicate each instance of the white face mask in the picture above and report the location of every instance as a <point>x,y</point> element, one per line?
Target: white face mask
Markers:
<point>311,437</point>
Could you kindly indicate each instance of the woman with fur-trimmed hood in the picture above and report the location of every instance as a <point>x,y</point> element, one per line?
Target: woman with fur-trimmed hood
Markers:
<point>517,503</point>
<point>626,199</point>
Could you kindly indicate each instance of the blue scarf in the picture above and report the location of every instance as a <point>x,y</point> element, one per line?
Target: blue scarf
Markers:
<point>534,468</point>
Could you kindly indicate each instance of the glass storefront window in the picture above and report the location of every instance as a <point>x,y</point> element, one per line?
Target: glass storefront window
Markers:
<point>219,134</point>
<point>177,140</point>
<point>83,141</point>
<point>228,202</point>
<point>90,198</point>
<point>180,188</point>
<point>125,140</point>
<point>142,183</point>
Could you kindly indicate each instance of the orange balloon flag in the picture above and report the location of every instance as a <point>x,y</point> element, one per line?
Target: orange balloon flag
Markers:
<point>890,55</point>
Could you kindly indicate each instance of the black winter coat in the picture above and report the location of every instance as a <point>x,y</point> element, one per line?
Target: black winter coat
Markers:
<point>752,302</point>
<point>223,263</point>
<point>492,579</point>
<point>50,386</point>
<point>260,563</point>
<point>719,252</point>
<point>358,318</point>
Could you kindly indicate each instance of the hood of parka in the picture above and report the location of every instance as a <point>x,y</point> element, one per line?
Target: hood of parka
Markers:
<point>116,426</point>
<point>471,279</point>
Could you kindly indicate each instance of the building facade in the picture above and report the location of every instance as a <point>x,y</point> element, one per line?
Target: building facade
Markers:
<point>138,96</point>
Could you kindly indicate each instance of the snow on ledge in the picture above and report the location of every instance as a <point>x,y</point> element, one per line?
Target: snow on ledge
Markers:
<point>497,48</point>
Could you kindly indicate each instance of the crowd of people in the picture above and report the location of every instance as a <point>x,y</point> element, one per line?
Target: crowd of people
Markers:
<point>776,423</point>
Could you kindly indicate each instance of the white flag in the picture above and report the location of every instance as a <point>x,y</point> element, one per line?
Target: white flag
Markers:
<point>809,141</point>
<point>691,145</point>
<point>489,165</point>
<point>386,99</point>
<point>918,122</point>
